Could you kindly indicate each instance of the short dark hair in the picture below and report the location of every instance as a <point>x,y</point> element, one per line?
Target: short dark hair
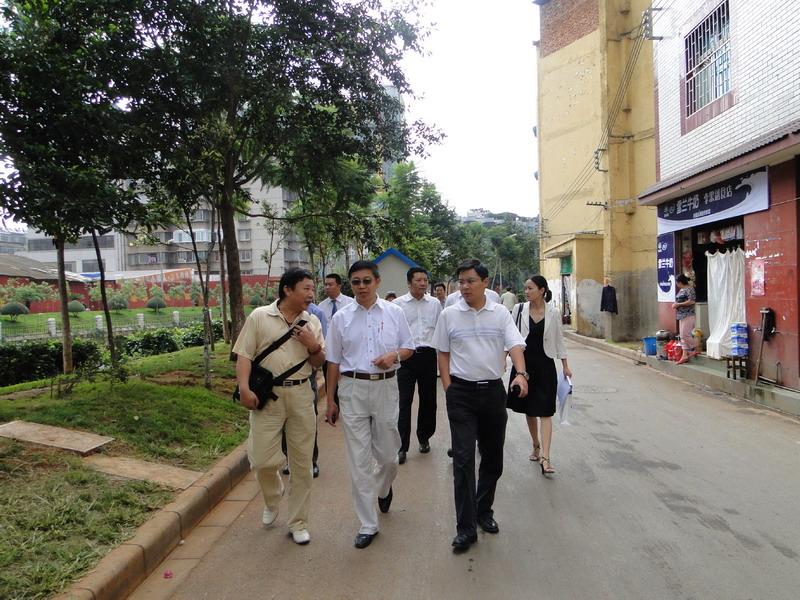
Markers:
<point>413,271</point>
<point>682,279</point>
<point>335,276</point>
<point>473,263</point>
<point>440,284</point>
<point>508,288</point>
<point>291,278</point>
<point>360,265</point>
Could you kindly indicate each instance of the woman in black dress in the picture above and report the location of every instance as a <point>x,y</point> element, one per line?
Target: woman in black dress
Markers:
<point>540,324</point>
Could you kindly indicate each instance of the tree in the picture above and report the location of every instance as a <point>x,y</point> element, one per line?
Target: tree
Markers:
<point>156,303</point>
<point>75,308</point>
<point>14,309</point>
<point>255,86</point>
<point>65,129</point>
<point>25,293</point>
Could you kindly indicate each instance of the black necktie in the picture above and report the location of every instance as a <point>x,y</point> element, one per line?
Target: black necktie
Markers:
<point>333,312</point>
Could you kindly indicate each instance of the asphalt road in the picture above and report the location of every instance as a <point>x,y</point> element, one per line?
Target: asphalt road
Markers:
<point>663,490</point>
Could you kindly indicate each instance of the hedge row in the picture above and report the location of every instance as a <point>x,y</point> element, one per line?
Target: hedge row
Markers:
<point>40,359</point>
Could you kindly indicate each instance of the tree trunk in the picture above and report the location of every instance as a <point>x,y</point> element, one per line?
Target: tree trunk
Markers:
<point>66,326</point>
<point>226,217</point>
<point>226,333</point>
<point>208,333</point>
<point>109,328</point>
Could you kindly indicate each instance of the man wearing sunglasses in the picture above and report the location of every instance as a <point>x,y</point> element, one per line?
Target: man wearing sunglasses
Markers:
<point>472,338</point>
<point>366,341</point>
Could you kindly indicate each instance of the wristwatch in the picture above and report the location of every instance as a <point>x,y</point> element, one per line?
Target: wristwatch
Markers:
<point>524,374</point>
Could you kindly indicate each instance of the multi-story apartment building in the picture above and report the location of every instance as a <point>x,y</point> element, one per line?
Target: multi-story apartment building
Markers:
<point>79,257</point>
<point>11,242</point>
<point>174,248</point>
<point>597,153</point>
<point>728,173</point>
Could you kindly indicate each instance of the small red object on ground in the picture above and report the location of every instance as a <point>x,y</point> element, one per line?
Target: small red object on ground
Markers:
<point>168,574</point>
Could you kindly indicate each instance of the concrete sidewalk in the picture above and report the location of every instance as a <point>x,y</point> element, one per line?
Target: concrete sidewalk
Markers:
<point>661,492</point>
<point>706,372</point>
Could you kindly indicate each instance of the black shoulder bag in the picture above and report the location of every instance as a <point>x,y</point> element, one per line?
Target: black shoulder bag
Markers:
<point>262,380</point>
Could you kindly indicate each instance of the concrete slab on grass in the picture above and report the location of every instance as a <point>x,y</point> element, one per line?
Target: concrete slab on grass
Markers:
<point>131,468</point>
<point>81,442</point>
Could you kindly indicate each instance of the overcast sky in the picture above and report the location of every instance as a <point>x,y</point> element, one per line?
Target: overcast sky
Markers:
<point>478,85</point>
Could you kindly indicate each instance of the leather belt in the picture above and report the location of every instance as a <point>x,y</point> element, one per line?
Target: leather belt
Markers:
<point>422,349</point>
<point>293,382</point>
<point>368,376</point>
<point>476,384</point>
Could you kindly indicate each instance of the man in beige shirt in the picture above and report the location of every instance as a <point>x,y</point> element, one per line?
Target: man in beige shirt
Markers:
<point>293,409</point>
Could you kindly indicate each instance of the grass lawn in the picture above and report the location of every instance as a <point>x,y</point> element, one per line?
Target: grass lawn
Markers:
<point>37,322</point>
<point>57,518</point>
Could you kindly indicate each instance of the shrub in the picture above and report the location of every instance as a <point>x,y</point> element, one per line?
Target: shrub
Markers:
<point>148,343</point>
<point>14,309</point>
<point>40,359</point>
<point>75,307</point>
<point>155,303</point>
<point>117,302</point>
<point>256,301</point>
<point>194,335</point>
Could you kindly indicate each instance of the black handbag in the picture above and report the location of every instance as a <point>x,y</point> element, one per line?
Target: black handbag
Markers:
<point>261,380</point>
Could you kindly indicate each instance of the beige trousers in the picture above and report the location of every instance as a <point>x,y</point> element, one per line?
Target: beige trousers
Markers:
<point>294,411</point>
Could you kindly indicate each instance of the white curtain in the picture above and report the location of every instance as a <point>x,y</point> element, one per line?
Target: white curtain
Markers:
<point>725,299</point>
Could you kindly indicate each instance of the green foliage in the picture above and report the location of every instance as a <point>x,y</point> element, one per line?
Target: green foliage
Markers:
<point>148,343</point>
<point>155,291</point>
<point>75,307</point>
<point>117,302</point>
<point>14,309</point>
<point>27,361</point>
<point>176,292</point>
<point>24,293</point>
<point>256,301</point>
<point>194,335</point>
<point>156,303</point>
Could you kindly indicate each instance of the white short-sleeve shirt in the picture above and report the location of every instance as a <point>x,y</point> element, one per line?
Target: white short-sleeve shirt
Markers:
<point>477,340</point>
<point>422,316</point>
<point>358,335</point>
<point>491,295</point>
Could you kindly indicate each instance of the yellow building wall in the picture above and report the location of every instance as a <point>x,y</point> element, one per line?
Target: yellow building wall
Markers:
<point>577,87</point>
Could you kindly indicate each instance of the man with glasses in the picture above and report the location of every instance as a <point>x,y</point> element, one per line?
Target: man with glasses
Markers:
<point>422,311</point>
<point>472,338</point>
<point>366,341</point>
<point>456,296</point>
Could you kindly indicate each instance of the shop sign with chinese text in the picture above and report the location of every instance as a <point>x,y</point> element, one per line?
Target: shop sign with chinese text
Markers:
<point>734,197</point>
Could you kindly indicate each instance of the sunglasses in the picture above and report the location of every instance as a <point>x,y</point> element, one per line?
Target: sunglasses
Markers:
<point>365,281</point>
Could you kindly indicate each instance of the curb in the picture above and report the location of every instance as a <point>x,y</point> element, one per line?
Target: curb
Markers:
<point>121,571</point>
<point>605,346</point>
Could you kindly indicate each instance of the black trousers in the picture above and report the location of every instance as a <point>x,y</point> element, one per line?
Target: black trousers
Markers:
<point>476,414</point>
<point>420,371</point>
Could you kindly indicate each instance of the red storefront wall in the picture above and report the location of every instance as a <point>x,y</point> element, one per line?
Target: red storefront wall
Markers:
<point>771,236</point>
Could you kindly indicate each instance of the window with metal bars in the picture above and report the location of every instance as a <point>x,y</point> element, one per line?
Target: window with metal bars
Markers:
<point>707,49</point>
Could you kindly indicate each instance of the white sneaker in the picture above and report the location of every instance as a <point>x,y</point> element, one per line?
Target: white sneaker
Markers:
<point>268,517</point>
<point>301,537</point>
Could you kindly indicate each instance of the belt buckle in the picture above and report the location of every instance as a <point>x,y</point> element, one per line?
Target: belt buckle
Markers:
<point>374,376</point>
<point>482,384</point>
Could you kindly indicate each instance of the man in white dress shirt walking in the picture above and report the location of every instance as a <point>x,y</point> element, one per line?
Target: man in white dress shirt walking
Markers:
<point>367,340</point>
<point>472,338</point>
<point>422,311</point>
<point>335,300</point>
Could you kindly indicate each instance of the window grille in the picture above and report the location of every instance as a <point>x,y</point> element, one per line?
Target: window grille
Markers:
<point>708,68</point>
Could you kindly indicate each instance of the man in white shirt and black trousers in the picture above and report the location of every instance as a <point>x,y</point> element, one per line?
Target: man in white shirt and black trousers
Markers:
<point>422,312</point>
<point>472,337</point>
<point>368,338</point>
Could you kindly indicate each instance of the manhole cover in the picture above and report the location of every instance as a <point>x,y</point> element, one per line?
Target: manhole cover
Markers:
<point>595,389</point>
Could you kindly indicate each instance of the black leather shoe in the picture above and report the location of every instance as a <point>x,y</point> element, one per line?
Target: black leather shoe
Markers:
<point>385,503</point>
<point>401,457</point>
<point>450,452</point>
<point>364,539</point>
<point>285,469</point>
<point>462,542</point>
<point>315,471</point>
<point>425,448</point>
<point>488,524</point>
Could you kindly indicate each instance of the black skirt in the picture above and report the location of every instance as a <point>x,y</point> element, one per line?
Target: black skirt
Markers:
<point>543,383</point>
